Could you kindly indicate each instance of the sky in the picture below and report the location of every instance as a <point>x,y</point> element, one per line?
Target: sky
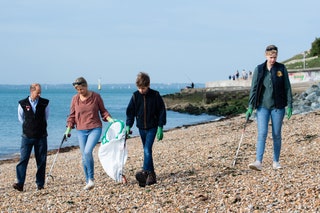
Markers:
<point>174,41</point>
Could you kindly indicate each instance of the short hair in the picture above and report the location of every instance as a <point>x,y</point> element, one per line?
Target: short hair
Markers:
<point>143,80</point>
<point>81,81</point>
<point>34,86</point>
<point>271,49</point>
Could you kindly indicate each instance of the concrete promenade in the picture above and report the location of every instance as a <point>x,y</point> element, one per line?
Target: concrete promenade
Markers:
<point>230,83</point>
<point>297,77</point>
<point>297,87</point>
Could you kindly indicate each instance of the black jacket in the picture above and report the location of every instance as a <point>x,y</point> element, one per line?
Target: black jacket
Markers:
<point>278,82</point>
<point>35,124</point>
<point>149,110</point>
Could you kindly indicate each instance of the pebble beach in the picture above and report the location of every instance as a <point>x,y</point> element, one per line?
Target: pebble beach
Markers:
<point>195,173</point>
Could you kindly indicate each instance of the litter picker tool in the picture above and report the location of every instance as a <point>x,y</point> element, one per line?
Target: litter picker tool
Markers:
<point>64,138</point>
<point>243,131</point>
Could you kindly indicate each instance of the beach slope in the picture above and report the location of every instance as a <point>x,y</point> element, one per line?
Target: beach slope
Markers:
<point>195,174</point>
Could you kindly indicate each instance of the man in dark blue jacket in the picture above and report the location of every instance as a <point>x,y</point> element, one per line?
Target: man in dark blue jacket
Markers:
<point>147,107</point>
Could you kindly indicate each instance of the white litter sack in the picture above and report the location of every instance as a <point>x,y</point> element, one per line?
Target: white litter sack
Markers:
<point>113,152</point>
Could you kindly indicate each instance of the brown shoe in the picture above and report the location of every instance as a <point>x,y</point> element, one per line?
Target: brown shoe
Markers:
<point>141,177</point>
<point>151,179</point>
<point>18,187</point>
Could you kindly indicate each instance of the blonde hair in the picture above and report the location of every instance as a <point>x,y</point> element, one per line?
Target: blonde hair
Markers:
<point>81,81</point>
<point>34,86</point>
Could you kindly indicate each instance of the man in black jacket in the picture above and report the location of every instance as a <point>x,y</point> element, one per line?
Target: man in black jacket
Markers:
<point>33,113</point>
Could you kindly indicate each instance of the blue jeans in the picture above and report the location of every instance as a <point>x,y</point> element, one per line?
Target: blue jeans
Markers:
<point>88,139</point>
<point>40,151</point>
<point>147,137</point>
<point>263,117</point>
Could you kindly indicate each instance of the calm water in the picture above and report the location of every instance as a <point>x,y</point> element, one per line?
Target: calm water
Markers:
<point>116,98</point>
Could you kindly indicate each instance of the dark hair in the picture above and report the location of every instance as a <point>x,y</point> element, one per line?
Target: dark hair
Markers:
<point>143,80</point>
<point>271,48</point>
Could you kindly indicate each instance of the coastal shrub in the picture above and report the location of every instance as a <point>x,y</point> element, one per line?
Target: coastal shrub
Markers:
<point>219,103</point>
<point>315,47</point>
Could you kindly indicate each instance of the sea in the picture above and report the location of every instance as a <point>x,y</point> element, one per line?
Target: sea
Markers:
<point>115,96</point>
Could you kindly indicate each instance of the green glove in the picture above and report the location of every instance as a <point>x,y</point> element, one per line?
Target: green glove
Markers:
<point>128,131</point>
<point>289,112</point>
<point>67,132</point>
<point>110,120</point>
<point>248,113</point>
<point>159,133</point>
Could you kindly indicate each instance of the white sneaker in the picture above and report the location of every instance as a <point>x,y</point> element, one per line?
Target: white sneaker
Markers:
<point>89,185</point>
<point>256,166</point>
<point>276,165</point>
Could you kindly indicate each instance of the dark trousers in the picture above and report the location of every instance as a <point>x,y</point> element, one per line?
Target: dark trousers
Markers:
<point>147,137</point>
<point>40,151</point>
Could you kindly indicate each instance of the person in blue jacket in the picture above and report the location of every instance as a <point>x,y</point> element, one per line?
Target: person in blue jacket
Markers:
<point>147,107</point>
<point>270,94</point>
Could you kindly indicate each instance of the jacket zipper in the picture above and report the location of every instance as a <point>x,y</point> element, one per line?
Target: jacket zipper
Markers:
<point>144,112</point>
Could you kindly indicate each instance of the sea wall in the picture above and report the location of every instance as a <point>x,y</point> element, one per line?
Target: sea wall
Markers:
<point>304,75</point>
<point>295,76</point>
<point>229,83</point>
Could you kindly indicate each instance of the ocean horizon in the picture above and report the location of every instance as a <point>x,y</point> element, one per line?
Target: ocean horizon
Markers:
<point>115,97</point>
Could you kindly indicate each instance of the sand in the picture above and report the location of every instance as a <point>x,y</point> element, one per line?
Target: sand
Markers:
<point>195,174</point>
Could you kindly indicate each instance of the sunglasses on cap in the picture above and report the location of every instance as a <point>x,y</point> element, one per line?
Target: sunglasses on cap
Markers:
<point>78,83</point>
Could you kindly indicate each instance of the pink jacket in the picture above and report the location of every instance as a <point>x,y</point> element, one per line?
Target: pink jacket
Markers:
<point>85,114</point>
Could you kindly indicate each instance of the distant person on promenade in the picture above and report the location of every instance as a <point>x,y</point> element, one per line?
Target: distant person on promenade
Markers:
<point>270,93</point>
<point>237,75</point>
<point>244,74</point>
<point>85,111</point>
<point>33,113</point>
<point>191,86</point>
<point>147,107</point>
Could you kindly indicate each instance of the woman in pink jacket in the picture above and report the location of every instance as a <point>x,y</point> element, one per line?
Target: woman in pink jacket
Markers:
<point>85,111</point>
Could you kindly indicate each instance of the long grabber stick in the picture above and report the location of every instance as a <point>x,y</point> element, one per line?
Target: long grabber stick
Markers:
<point>243,131</point>
<point>124,179</point>
<point>64,138</point>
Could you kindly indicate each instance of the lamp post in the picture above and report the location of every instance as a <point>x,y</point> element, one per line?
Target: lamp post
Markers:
<point>304,60</point>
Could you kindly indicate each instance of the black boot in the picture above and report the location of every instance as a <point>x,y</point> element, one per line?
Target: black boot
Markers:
<point>18,187</point>
<point>151,179</point>
<point>141,177</point>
